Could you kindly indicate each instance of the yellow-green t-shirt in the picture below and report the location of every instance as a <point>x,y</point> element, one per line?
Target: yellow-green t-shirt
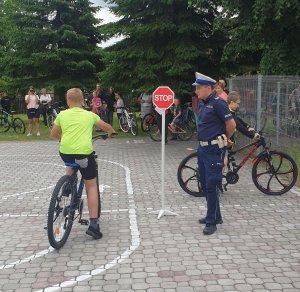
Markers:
<point>77,128</point>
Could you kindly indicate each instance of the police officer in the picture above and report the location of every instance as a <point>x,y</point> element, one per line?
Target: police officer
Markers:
<point>215,126</point>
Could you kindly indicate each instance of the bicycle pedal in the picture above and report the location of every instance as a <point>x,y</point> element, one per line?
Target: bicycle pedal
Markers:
<point>84,222</point>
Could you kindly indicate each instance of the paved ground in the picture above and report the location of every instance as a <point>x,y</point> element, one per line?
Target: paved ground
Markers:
<point>256,249</point>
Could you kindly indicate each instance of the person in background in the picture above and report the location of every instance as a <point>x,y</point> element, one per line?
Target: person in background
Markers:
<point>103,109</point>
<point>119,105</point>
<point>176,112</point>
<point>110,101</point>
<point>224,83</point>
<point>219,89</point>
<point>96,103</point>
<point>294,102</point>
<point>146,104</point>
<point>45,100</point>
<point>6,102</point>
<point>32,101</point>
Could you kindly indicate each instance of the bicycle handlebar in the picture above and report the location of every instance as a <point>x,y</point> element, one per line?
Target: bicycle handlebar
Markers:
<point>104,136</point>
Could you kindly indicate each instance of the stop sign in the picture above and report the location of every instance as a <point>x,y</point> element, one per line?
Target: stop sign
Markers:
<point>163,97</point>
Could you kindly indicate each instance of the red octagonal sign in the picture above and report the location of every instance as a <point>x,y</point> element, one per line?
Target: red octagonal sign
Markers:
<point>163,97</point>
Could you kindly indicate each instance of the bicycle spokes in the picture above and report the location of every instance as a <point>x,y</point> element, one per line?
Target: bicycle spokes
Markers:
<point>275,173</point>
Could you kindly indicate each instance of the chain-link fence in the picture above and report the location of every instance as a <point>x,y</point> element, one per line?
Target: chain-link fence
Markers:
<point>272,102</point>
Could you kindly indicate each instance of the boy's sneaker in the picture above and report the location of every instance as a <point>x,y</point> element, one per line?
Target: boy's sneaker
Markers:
<point>38,134</point>
<point>29,134</point>
<point>94,232</point>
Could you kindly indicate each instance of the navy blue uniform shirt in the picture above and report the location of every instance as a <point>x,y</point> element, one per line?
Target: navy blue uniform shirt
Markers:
<point>213,113</point>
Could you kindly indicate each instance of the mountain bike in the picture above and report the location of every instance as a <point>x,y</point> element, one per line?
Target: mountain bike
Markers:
<point>183,131</point>
<point>7,121</point>
<point>273,172</point>
<point>66,204</point>
<point>128,122</point>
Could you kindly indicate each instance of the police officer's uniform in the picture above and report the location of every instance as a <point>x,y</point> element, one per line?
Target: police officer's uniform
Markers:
<point>213,114</point>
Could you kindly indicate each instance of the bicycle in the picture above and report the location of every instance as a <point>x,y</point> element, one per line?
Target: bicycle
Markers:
<point>273,172</point>
<point>128,122</point>
<point>62,208</point>
<point>183,131</point>
<point>7,121</point>
<point>52,111</point>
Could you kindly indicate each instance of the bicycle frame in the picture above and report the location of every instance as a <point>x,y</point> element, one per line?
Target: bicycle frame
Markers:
<point>256,145</point>
<point>128,117</point>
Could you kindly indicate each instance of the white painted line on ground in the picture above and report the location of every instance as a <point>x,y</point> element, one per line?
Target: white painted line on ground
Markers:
<point>295,192</point>
<point>28,259</point>
<point>135,240</point>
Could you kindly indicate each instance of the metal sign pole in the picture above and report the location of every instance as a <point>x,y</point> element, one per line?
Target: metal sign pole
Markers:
<point>163,211</point>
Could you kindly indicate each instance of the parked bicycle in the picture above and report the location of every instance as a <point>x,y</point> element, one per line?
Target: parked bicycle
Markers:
<point>128,122</point>
<point>7,121</point>
<point>52,111</point>
<point>273,172</point>
<point>64,210</point>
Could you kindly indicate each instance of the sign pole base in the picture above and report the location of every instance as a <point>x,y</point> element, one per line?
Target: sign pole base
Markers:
<point>163,212</point>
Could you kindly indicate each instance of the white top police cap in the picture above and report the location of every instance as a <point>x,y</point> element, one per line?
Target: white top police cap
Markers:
<point>202,79</point>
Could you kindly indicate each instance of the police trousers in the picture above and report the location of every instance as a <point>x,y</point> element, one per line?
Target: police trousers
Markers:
<point>210,163</point>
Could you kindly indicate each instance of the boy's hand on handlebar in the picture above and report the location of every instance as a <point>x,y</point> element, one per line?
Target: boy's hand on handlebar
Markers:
<point>251,129</point>
<point>112,134</point>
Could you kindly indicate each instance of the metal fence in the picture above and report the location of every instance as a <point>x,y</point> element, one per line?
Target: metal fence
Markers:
<point>272,102</point>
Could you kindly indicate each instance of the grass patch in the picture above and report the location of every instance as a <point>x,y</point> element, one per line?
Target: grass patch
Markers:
<point>45,131</point>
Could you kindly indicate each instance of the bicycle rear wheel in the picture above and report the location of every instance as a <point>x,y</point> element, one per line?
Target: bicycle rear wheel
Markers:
<point>154,133</point>
<point>19,126</point>
<point>187,133</point>
<point>4,125</point>
<point>274,173</point>
<point>60,215</point>
<point>147,122</point>
<point>188,175</point>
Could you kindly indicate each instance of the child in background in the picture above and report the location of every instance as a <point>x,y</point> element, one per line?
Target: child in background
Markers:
<point>96,103</point>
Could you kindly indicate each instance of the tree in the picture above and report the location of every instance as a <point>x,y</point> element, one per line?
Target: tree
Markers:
<point>55,43</point>
<point>263,35</point>
<point>165,42</point>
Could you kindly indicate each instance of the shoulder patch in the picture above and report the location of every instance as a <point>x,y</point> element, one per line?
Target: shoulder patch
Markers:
<point>217,97</point>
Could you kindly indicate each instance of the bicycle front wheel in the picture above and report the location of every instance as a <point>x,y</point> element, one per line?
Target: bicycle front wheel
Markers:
<point>60,215</point>
<point>123,124</point>
<point>274,173</point>
<point>134,127</point>
<point>19,126</point>
<point>188,176</point>
<point>4,125</point>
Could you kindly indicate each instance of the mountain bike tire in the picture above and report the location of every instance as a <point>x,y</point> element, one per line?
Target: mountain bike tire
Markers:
<point>19,126</point>
<point>154,133</point>
<point>55,209</point>
<point>134,127</point>
<point>187,135</point>
<point>123,124</point>
<point>279,169</point>
<point>190,163</point>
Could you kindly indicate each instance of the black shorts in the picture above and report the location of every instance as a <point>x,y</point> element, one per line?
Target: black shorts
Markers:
<point>87,164</point>
<point>33,113</point>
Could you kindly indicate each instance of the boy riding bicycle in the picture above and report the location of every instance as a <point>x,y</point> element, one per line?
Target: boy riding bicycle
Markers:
<point>73,128</point>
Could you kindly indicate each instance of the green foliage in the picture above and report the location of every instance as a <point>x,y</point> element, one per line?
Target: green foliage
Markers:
<point>262,35</point>
<point>50,43</point>
<point>165,43</point>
